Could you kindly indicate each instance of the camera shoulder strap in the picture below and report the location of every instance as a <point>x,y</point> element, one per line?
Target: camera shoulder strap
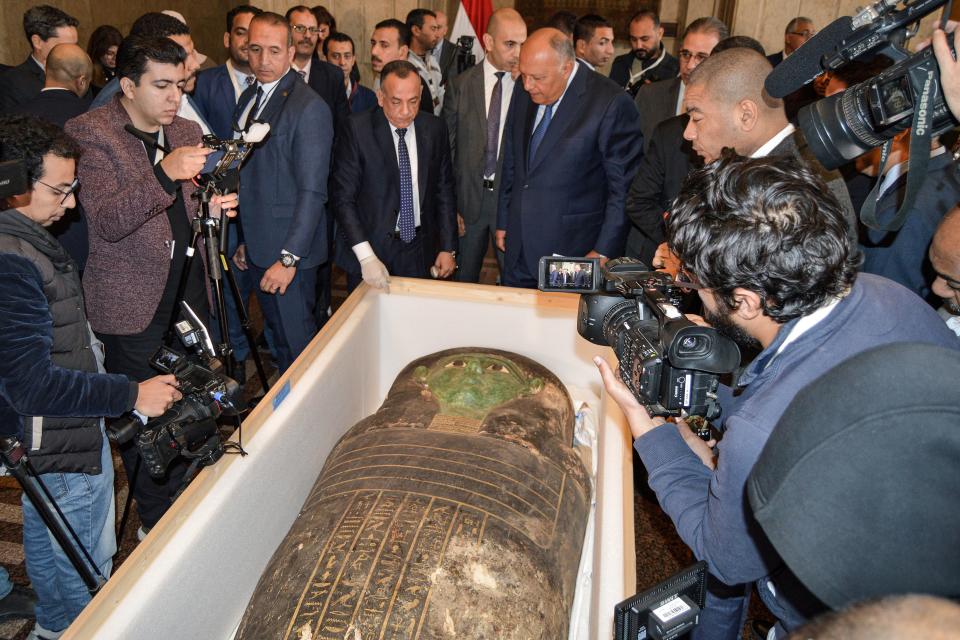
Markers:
<point>926,77</point>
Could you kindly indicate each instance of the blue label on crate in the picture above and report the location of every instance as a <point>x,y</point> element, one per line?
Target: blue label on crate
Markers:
<point>282,394</point>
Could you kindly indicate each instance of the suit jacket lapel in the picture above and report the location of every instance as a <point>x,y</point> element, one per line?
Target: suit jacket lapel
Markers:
<point>279,96</point>
<point>423,159</point>
<point>477,99</point>
<point>529,119</point>
<point>565,115</point>
<point>248,94</point>
<point>384,138</point>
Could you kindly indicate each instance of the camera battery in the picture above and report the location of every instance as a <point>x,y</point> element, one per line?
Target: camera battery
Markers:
<point>673,618</point>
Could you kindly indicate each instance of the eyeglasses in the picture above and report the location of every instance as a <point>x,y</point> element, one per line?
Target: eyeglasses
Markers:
<point>686,280</point>
<point>686,55</point>
<point>66,193</point>
<point>807,34</point>
<point>299,28</point>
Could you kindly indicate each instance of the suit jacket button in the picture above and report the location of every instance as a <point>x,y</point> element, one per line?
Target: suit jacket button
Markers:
<point>525,186</point>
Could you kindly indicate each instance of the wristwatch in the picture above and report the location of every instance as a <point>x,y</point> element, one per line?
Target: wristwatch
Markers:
<point>288,259</point>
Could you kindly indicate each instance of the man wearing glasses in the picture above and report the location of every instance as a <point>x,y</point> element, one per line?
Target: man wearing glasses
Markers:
<point>798,31</point>
<point>53,372</point>
<point>321,76</point>
<point>661,100</point>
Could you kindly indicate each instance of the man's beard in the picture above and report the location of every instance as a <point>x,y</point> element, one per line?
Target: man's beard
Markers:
<point>725,326</point>
<point>644,54</point>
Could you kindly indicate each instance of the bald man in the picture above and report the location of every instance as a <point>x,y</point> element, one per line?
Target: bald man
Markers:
<point>571,146</point>
<point>475,110</point>
<point>945,258</point>
<point>66,95</point>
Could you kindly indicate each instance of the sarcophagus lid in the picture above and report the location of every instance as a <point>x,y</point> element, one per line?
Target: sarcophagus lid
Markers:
<point>457,510</point>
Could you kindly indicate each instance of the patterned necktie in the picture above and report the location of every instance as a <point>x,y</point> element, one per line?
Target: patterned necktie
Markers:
<point>405,222</point>
<point>303,74</point>
<point>493,128</point>
<point>539,133</point>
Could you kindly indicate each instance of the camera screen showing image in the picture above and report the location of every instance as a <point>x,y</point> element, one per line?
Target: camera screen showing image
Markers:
<point>569,274</point>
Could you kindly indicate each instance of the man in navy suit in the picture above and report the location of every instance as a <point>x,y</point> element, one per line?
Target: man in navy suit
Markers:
<point>323,77</point>
<point>572,141</point>
<point>340,51</point>
<point>283,186</point>
<point>393,187</point>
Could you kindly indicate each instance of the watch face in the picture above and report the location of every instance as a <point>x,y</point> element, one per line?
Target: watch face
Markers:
<point>287,260</point>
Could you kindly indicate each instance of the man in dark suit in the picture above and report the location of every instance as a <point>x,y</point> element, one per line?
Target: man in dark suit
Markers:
<point>661,100</point>
<point>215,97</point>
<point>64,96</point>
<point>323,77</point>
<point>283,187</point>
<point>445,52</point>
<point>138,197</point>
<point>666,163</point>
<point>393,187</point>
<point>476,124</point>
<point>593,41</point>
<point>340,51</point>
<point>798,31</point>
<point>45,27</point>
<point>648,60</point>
<point>571,145</point>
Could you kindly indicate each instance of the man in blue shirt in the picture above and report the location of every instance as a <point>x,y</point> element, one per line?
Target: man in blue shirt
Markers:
<point>770,250</point>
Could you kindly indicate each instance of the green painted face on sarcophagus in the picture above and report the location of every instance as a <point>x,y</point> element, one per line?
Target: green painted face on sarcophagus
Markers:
<point>470,384</point>
<point>456,510</point>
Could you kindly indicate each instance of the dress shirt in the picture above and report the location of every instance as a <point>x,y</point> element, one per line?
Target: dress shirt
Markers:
<point>772,143</point>
<point>506,92</point>
<point>268,90</point>
<point>680,95</point>
<point>363,249</point>
<point>187,111</point>
<point>238,79</point>
<point>556,105</point>
<point>39,64</point>
<point>305,68</point>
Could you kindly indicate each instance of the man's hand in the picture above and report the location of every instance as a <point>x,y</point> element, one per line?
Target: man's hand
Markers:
<point>184,163</point>
<point>666,260</point>
<point>375,273</point>
<point>446,264</point>
<point>594,254</point>
<point>240,257</point>
<point>156,395</point>
<point>500,239</point>
<point>277,278</point>
<point>703,449</point>
<point>225,204</point>
<point>461,226</point>
<point>949,68</point>
<point>637,417</point>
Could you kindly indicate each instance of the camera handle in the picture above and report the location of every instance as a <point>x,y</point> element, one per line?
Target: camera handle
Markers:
<point>15,459</point>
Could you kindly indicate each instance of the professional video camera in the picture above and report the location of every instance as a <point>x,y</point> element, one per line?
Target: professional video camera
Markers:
<point>846,125</point>
<point>189,428</point>
<point>671,365</point>
<point>221,171</point>
<point>464,54</point>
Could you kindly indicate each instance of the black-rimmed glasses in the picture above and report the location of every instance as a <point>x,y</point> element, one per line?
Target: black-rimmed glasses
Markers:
<point>66,193</point>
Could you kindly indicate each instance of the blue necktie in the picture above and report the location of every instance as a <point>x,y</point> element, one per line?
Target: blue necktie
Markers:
<point>539,133</point>
<point>405,223</point>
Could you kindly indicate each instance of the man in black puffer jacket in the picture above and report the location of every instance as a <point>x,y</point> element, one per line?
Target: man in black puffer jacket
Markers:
<point>53,393</point>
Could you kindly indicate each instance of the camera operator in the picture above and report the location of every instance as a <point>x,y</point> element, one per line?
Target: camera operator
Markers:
<point>949,66</point>
<point>772,250</point>
<point>138,199</point>
<point>51,385</point>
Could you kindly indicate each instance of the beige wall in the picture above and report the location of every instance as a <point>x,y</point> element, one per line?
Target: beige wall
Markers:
<point>205,18</point>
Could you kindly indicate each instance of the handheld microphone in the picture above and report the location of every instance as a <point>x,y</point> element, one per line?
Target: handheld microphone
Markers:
<point>806,63</point>
<point>144,138</point>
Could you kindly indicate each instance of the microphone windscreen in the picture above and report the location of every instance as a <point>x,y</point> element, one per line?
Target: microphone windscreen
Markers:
<point>257,132</point>
<point>804,64</point>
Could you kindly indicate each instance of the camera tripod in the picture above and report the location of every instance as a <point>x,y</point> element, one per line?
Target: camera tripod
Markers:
<point>14,458</point>
<point>212,233</point>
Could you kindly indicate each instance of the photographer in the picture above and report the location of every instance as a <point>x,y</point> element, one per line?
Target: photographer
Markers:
<point>138,161</point>
<point>52,388</point>
<point>772,250</point>
<point>949,66</point>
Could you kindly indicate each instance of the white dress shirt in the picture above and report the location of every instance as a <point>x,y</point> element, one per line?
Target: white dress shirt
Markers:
<point>506,92</point>
<point>238,79</point>
<point>305,68</point>
<point>268,90</point>
<point>772,143</point>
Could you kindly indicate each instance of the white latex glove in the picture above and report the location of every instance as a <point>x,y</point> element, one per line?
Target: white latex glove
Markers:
<point>375,273</point>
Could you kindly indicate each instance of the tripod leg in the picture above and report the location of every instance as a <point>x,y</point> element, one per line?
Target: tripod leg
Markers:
<point>181,288</point>
<point>244,320</point>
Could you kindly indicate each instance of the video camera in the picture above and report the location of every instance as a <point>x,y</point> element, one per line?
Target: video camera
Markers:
<point>464,53</point>
<point>670,364</point>
<point>189,427</point>
<point>907,95</point>
<point>221,171</point>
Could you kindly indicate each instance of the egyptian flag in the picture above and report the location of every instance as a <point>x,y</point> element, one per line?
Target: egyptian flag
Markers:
<point>472,18</point>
